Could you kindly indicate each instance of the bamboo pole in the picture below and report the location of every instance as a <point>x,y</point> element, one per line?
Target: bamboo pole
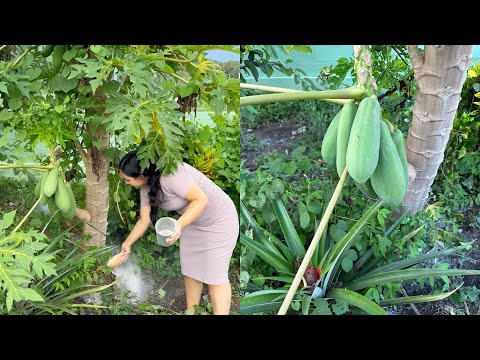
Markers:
<point>313,244</point>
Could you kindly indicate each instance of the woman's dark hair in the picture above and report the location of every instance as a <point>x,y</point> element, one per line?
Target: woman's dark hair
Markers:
<point>129,166</point>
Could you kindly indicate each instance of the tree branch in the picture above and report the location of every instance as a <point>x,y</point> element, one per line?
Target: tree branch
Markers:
<point>174,75</point>
<point>82,152</point>
<point>83,214</point>
<point>400,55</point>
<point>416,56</point>
<point>392,90</point>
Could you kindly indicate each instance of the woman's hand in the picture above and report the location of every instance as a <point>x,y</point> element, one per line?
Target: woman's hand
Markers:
<point>126,250</point>
<point>178,232</point>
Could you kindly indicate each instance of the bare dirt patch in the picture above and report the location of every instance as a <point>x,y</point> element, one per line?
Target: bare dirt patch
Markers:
<point>276,136</point>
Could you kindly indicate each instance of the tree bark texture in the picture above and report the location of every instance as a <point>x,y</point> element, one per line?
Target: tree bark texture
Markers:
<point>440,73</point>
<point>97,190</point>
<point>364,68</point>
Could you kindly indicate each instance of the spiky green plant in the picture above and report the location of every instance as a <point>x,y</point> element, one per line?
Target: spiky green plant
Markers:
<point>280,255</point>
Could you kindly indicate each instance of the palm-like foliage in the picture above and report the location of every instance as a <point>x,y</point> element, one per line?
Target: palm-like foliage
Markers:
<point>280,255</point>
<point>31,277</point>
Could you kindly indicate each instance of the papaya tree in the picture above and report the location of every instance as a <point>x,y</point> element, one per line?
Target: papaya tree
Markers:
<point>370,150</point>
<point>439,73</point>
<point>88,103</point>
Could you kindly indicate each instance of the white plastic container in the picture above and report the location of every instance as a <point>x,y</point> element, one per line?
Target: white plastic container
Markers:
<point>165,227</point>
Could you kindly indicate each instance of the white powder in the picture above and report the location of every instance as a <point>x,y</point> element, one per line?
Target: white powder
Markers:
<point>165,232</point>
<point>129,277</point>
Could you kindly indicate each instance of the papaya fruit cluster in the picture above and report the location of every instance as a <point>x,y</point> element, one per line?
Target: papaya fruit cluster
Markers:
<point>57,57</point>
<point>58,194</point>
<point>358,139</point>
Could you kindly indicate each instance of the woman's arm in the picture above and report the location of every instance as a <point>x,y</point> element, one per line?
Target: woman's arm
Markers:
<point>138,230</point>
<point>198,202</point>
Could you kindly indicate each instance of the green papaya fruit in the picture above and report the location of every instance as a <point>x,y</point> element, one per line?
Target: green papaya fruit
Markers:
<point>400,145</point>
<point>62,198</point>
<point>388,179</point>
<point>51,182</point>
<point>364,141</point>
<point>47,50</point>
<point>57,57</point>
<point>73,206</point>
<point>51,205</point>
<point>329,143</point>
<point>343,134</point>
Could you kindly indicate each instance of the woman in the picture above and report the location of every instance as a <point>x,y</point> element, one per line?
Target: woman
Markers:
<point>208,227</point>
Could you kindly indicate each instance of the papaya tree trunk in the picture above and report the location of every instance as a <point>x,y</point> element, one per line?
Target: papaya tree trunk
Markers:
<point>97,190</point>
<point>440,73</point>
<point>364,68</point>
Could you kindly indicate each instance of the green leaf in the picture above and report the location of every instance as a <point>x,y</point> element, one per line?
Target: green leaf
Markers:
<point>69,54</point>
<point>253,70</point>
<point>59,109</point>
<point>3,87</point>
<point>275,259</point>
<point>297,154</point>
<point>7,220</point>
<point>306,304</point>
<point>283,248</point>
<point>416,260</point>
<point>261,199</point>
<point>5,115</point>
<point>15,104</point>
<point>65,84</point>
<point>305,165</point>
<point>336,233</point>
<point>244,278</point>
<point>161,293</point>
<point>258,279</point>
<point>95,83</point>
<point>381,219</point>
<point>33,73</point>
<point>304,215</point>
<point>341,247</point>
<point>29,294</point>
<point>288,229</point>
<point>290,168</point>
<point>278,186</point>
<point>417,299</point>
<point>352,254</point>
<point>347,264</point>
<point>371,280</point>
<point>100,50</point>
<point>315,207</point>
<point>90,290</point>
<point>321,307</point>
<point>258,232</point>
<point>357,300</point>
<point>340,307</point>
<point>187,90</point>
<point>295,305</point>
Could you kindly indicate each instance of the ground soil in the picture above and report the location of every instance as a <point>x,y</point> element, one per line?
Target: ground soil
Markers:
<point>174,297</point>
<point>272,137</point>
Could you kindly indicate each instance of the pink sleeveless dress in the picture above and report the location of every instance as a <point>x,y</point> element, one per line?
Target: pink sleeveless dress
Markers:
<point>207,244</point>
